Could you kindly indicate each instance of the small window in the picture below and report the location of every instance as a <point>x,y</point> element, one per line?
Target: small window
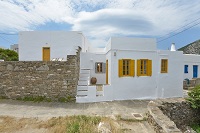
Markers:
<point>144,67</point>
<point>100,67</point>
<point>164,65</point>
<point>126,67</point>
<point>186,69</point>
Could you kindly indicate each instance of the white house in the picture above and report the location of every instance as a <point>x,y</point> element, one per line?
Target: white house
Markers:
<point>191,66</point>
<point>134,69</point>
<point>14,47</point>
<point>49,45</point>
<point>127,68</point>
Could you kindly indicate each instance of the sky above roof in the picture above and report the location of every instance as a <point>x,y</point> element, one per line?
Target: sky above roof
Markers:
<point>170,21</point>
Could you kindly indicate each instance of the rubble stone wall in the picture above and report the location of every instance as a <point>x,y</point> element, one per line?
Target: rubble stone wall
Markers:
<point>51,79</point>
<point>172,115</point>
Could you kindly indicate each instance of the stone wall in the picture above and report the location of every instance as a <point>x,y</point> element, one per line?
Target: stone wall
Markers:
<point>160,122</point>
<point>181,114</point>
<point>190,84</point>
<point>52,79</point>
<point>172,115</point>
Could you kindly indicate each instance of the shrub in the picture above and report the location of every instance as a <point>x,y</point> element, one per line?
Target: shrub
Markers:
<point>196,127</point>
<point>194,97</point>
<point>8,55</point>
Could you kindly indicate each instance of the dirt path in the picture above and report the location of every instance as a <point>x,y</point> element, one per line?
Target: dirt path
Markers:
<point>28,116</point>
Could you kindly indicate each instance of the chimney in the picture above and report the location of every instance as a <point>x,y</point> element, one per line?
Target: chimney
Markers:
<point>173,48</point>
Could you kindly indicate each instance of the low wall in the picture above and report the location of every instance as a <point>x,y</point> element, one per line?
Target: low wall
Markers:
<point>50,79</point>
<point>181,114</point>
<point>172,115</point>
<point>190,84</point>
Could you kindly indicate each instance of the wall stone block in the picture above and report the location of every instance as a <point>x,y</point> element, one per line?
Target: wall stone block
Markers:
<point>52,79</point>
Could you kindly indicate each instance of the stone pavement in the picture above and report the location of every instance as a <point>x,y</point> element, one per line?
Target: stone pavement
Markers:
<point>124,109</point>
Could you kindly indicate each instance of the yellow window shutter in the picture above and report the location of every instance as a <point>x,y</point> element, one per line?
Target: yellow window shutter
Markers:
<point>166,66</point>
<point>138,67</point>
<point>132,68</point>
<point>120,68</point>
<point>149,68</point>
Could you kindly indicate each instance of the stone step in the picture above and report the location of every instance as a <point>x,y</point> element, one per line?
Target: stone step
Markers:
<point>85,83</point>
<point>84,75</point>
<point>84,78</point>
<point>82,88</point>
<point>82,93</point>
<point>84,71</point>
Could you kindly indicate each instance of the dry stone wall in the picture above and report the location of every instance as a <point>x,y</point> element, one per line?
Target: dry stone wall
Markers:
<point>181,113</point>
<point>173,115</point>
<point>52,79</point>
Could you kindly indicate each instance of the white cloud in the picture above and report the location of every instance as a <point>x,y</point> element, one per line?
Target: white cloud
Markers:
<point>137,17</point>
<point>100,19</point>
<point>24,14</point>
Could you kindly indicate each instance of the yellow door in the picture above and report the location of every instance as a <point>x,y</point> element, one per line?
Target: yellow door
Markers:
<point>46,53</point>
<point>106,71</point>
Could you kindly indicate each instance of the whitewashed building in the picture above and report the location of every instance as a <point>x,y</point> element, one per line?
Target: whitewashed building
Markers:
<point>134,69</point>
<point>127,68</point>
<point>191,66</point>
<point>49,45</point>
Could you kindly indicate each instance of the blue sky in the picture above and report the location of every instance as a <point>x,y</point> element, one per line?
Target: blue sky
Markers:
<point>101,19</point>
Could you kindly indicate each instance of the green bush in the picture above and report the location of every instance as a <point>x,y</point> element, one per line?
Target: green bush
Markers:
<point>8,55</point>
<point>194,97</point>
<point>196,127</point>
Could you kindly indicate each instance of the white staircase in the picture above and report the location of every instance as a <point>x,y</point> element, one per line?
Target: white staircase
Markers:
<point>87,93</point>
<point>84,81</point>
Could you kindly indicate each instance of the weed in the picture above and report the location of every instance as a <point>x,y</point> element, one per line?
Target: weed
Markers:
<point>62,99</point>
<point>3,97</point>
<point>35,99</point>
<point>196,127</point>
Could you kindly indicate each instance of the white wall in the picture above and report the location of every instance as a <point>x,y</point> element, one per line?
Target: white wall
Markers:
<point>97,50</point>
<point>87,61</point>
<point>125,43</point>
<point>85,43</point>
<point>170,84</point>
<point>124,88</point>
<point>146,87</point>
<point>190,60</point>
<point>61,44</point>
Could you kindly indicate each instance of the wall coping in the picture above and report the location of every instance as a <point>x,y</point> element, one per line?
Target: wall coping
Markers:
<point>158,120</point>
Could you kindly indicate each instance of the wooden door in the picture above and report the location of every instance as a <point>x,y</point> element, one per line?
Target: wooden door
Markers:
<point>106,71</point>
<point>46,53</point>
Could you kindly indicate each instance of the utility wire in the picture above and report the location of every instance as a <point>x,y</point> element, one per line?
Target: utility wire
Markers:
<point>6,40</point>
<point>180,32</point>
<point>8,34</point>
<point>180,28</point>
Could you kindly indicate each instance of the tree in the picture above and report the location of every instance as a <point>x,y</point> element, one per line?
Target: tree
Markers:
<point>8,55</point>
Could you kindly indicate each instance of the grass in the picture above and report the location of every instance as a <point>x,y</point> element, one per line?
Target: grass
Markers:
<point>76,124</point>
<point>3,97</point>
<point>196,127</point>
<point>35,99</point>
<point>68,124</point>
